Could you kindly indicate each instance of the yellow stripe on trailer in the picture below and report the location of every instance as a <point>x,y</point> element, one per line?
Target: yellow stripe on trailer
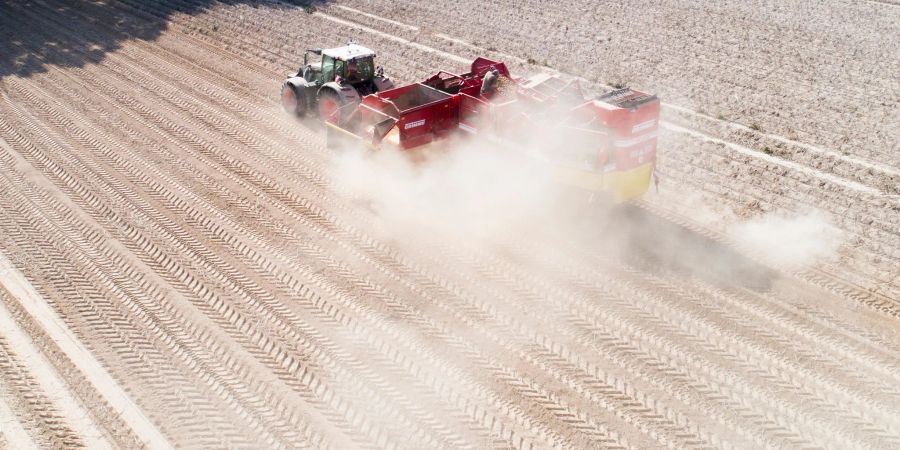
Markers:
<point>622,185</point>
<point>335,133</point>
<point>633,183</point>
<point>585,179</point>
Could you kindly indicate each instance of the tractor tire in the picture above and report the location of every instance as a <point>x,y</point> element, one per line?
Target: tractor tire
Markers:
<point>292,102</point>
<point>330,104</point>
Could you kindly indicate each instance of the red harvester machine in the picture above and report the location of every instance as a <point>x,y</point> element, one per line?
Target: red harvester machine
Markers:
<point>606,144</point>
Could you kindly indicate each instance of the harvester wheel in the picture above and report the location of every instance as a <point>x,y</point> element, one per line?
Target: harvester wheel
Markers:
<point>291,101</point>
<point>330,106</point>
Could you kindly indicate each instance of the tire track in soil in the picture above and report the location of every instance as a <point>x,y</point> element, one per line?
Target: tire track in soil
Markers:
<point>138,355</point>
<point>158,255</point>
<point>31,402</point>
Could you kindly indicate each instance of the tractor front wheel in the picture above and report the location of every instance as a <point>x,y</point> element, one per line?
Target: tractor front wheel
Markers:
<point>291,102</point>
<point>330,107</point>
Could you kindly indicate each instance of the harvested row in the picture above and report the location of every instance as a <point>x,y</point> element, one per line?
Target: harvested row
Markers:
<point>129,230</point>
<point>48,428</point>
<point>136,349</point>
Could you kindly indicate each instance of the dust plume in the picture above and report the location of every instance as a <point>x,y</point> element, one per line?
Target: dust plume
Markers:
<point>475,191</point>
<point>792,240</point>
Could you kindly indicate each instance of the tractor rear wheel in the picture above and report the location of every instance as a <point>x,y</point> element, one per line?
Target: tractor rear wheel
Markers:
<point>330,106</point>
<point>291,101</point>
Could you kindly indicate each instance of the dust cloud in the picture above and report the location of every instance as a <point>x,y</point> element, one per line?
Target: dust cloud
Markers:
<point>474,192</point>
<point>791,240</point>
<point>478,196</point>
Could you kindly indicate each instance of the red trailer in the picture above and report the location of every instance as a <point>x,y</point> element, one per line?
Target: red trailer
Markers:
<point>606,144</point>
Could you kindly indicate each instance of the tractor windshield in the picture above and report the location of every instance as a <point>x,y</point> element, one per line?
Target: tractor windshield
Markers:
<point>328,68</point>
<point>360,69</point>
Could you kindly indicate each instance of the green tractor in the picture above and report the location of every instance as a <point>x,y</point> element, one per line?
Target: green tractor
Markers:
<point>342,77</point>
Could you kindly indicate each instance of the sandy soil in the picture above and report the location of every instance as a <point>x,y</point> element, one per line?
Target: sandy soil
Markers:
<point>194,240</point>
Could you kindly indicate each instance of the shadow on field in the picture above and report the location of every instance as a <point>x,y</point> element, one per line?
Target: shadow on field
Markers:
<point>654,244</point>
<point>41,33</point>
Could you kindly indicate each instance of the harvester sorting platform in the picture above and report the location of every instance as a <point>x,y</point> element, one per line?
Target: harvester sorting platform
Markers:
<point>605,144</point>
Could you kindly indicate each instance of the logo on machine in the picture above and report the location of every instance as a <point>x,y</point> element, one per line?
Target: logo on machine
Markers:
<point>414,124</point>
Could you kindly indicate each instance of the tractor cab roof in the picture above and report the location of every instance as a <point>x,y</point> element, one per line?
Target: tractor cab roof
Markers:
<point>348,52</point>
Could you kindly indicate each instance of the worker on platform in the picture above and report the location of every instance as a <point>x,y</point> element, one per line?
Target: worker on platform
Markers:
<point>489,81</point>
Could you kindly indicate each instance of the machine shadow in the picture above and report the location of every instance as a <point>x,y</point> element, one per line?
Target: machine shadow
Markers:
<point>38,34</point>
<point>654,244</point>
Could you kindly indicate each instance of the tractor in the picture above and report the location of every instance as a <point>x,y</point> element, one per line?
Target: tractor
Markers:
<point>342,77</point>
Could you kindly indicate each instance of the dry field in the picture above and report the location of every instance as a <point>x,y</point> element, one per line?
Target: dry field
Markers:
<point>181,265</point>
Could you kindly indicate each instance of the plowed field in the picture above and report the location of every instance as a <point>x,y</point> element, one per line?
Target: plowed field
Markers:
<point>180,268</point>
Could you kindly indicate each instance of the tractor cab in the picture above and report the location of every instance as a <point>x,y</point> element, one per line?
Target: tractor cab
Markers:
<point>353,64</point>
